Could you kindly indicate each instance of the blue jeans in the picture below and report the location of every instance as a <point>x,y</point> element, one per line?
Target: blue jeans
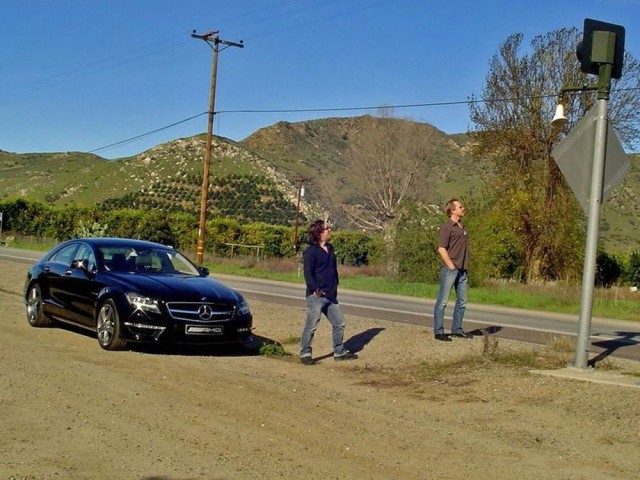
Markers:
<point>315,307</point>
<point>449,279</point>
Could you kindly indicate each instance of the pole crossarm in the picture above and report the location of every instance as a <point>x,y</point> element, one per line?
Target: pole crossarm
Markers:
<point>583,88</point>
<point>205,36</point>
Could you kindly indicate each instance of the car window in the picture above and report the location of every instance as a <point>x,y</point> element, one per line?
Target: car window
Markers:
<point>65,255</point>
<point>85,253</point>
<point>117,259</point>
<point>149,260</point>
<point>181,264</point>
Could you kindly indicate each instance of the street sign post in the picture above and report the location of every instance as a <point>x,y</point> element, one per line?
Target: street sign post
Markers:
<point>601,53</point>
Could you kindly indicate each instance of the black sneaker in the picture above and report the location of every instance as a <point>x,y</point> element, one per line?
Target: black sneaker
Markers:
<point>462,335</point>
<point>307,360</point>
<point>442,337</point>
<point>345,356</point>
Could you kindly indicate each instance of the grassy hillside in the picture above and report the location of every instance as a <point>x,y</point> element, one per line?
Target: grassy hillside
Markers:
<point>320,148</point>
<point>169,177</point>
<point>620,226</point>
<point>272,160</point>
<point>67,178</point>
<point>49,177</point>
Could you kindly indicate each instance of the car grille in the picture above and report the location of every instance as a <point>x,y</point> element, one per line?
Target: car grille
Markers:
<point>201,312</point>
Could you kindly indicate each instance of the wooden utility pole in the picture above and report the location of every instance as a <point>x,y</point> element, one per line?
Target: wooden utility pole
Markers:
<point>213,41</point>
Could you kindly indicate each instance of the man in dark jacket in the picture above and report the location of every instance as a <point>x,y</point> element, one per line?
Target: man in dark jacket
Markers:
<point>321,277</point>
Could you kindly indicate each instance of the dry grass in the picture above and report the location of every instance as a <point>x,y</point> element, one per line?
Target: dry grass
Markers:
<point>561,344</point>
<point>462,370</point>
<point>348,271</point>
<point>562,290</point>
<point>291,340</point>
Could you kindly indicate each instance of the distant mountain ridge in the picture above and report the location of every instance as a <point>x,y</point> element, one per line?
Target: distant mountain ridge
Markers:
<point>278,156</point>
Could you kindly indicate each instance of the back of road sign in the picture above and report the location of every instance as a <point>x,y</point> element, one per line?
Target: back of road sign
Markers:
<point>574,157</point>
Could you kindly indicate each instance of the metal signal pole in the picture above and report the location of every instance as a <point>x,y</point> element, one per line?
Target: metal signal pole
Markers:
<point>213,41</point>
<point>601,53</point>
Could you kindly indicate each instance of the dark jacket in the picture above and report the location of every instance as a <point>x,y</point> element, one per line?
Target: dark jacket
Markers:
<point>321,271</point>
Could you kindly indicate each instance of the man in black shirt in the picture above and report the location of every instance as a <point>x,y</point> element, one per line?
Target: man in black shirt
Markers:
<point>321,277</point>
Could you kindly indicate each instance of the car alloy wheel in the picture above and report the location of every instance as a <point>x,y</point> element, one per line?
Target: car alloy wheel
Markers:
<point>35,314</point>
<point>108,327</point>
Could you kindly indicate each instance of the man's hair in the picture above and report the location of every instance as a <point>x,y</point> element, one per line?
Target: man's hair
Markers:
<point>451,206</point>
<point>315,230</point>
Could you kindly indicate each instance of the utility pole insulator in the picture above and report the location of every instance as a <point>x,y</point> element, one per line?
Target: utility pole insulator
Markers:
<point>204,36</point>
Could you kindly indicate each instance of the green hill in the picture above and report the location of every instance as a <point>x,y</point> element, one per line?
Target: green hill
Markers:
<point>258,178</point>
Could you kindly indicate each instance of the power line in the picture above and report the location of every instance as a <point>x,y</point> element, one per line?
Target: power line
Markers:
<point>345,109</point>
<point>336,109</point>
<point>122,142</point>
<point>299,110</point>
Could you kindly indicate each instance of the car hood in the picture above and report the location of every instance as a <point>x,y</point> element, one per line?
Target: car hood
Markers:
<point>177,287</point>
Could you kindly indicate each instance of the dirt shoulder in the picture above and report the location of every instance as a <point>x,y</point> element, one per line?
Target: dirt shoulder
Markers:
<point>409,408</point>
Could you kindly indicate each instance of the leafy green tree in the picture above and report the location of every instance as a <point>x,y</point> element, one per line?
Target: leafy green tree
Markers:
<point>156,226</point>
<point>124,223</point>
<point>512,126</point>
<point>86,230</point>
<point>356,248</point>
<point>494,249</point>
<point>222,231</point>
<point>417,244</point>
<point>268,237</point>
<point>632,270</point>
<point>608,269</point>
<point>12,214</point>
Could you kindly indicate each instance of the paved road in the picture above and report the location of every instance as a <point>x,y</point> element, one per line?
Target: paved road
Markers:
<point>608,337</point>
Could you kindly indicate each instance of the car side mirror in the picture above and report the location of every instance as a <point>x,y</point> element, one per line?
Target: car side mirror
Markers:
<point>204,271</point>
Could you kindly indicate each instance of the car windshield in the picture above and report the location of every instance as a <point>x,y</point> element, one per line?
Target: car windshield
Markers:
<point>125,258</point>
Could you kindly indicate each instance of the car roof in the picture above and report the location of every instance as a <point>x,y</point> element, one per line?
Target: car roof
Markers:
<point>114,242</point>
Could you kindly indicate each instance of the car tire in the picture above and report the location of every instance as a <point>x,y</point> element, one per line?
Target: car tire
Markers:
<point>250,346</point>
<point>35,312</point>
<point>108,327</point>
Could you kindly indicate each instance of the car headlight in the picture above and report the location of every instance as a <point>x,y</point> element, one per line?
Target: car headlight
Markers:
<point>140,302</point>
<point>243,307</point>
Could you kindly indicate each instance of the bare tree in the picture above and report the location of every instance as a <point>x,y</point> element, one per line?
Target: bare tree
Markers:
<point>388,164</point>
<point>512,126</point>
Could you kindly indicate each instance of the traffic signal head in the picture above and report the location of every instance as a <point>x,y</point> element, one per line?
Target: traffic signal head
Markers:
<point>601,43</point>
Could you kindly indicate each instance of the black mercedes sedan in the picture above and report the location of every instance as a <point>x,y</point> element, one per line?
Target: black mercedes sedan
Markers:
<point>128,290</point>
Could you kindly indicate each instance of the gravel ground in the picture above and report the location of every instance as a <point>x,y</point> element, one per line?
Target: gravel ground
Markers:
<point>408,408</point>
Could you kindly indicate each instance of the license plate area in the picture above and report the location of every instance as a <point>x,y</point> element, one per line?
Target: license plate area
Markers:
<point>204,329</point>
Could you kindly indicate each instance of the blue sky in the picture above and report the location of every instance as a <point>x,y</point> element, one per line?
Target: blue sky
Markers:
<point>79,75</point>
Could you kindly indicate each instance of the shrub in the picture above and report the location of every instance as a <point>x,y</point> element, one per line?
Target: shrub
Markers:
<point>632,270</point>
<point>608,269</point>
<point>269,349</point>
<point>417,254</point>
<point>354,248</point>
